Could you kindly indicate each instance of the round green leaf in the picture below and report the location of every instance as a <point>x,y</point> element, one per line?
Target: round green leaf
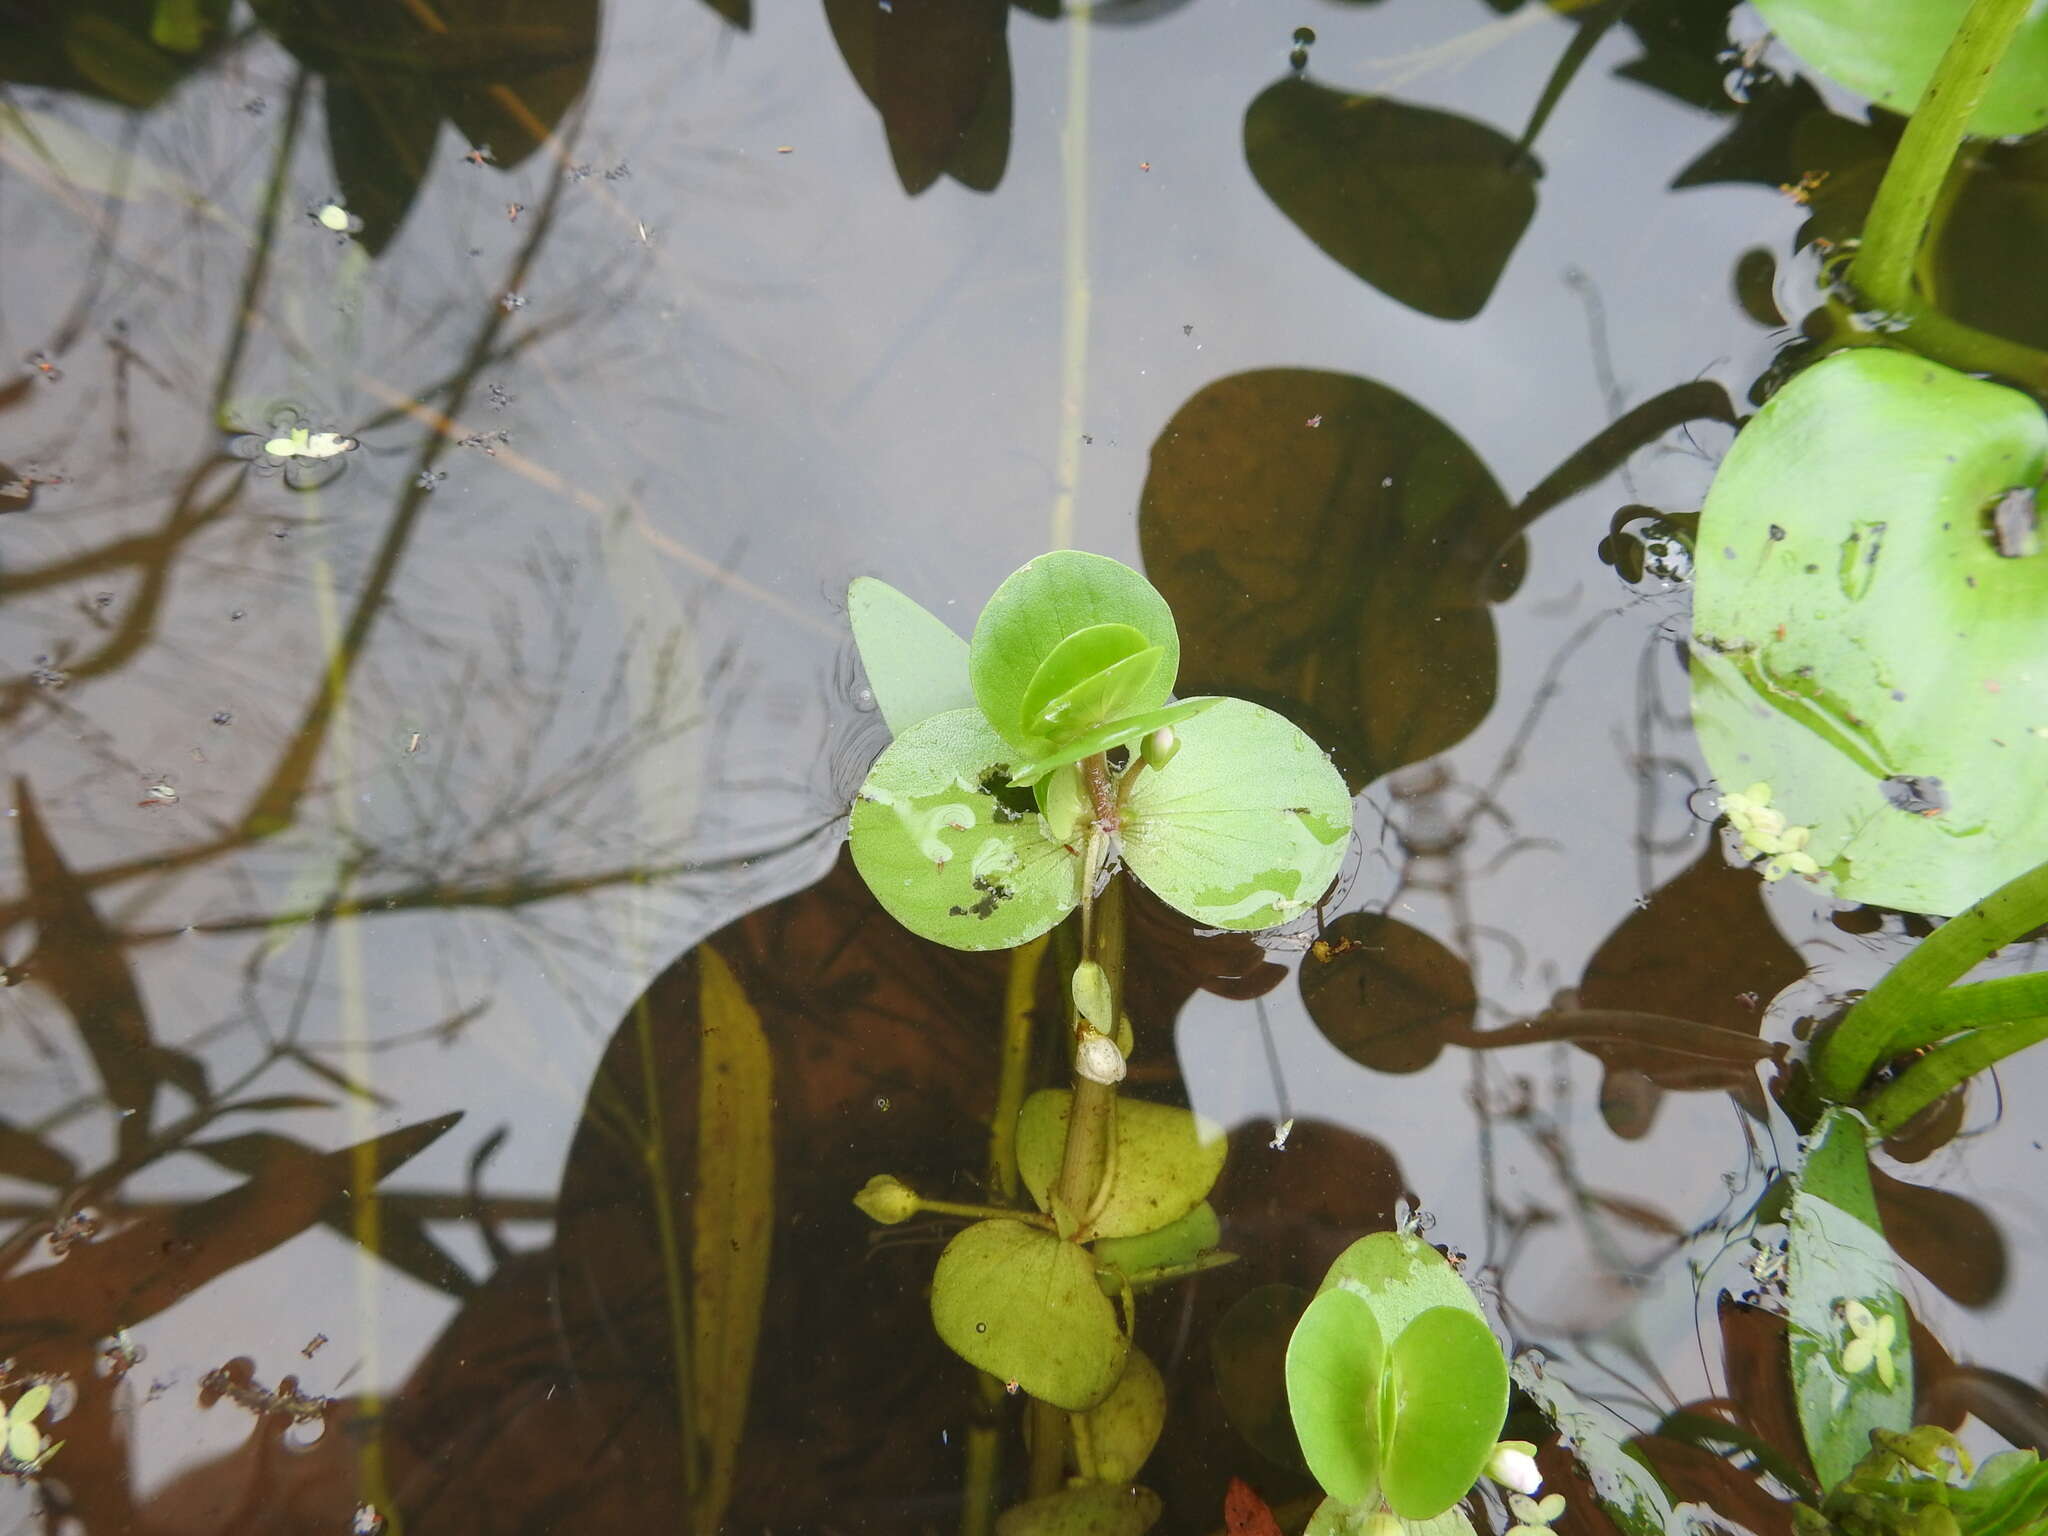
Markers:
<point>916,666</point>
<point>1124,1426</point>
<point>1450,1397</point>
<point>1091,1509</point>
<point>24,1441</point>
<point>1015,1301</point>
<point>949,849</point>
<point>1336,1363</point>
<point>1246,827</point>
<point>1117,733</point>
<point>1165,1162</point>
<point>1858,635</point>
<point>1101,699</point>
<point>1400,1277</point>
<point>1891,61</point>
<point>1038,608</point>
<point>1079,659</point>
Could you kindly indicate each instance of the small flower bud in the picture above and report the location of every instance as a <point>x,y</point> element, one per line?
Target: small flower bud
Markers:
<point>1513,1465</point>
<point>1159,747</point>
<point>888,1200</point>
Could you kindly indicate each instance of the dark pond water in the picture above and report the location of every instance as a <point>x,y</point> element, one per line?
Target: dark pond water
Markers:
<point>365,803</point>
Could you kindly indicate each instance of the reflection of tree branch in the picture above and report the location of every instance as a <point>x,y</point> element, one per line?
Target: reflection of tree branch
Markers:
<point>259,251</point>
<point>275,806</point>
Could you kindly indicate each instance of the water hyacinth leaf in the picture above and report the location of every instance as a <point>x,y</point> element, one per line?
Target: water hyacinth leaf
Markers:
<point>1017,1302</point>
<point>1427,206</point>
<point>1122,1429</point>
<point>1091,1509</point>
<point>1053,700</point>
<point>916,666</point>
<point>1891,64</point>
<point>1450,1398</point>
<point>1118,733</point>
<point>1177,1243</point>
<point>1165,1162</point>
<point>1626,1489</point>
<point>1850,1371</point>
<point>1336,1363</point>
<point>1859,636</point>
<point>1246,827</point>
<point>1033,613</point>
<point>1400,1277</point>
<point>945,854</point>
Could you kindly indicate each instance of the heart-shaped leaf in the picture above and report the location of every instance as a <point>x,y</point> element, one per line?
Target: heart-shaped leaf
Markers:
<point>1891,63</point>
<point>949,849</point>
<point>1336,1364</point>
<point>1246,827</point>
<point>1427,206</point>
<point>1165,1162</point>
<point>1861,644</point>
<point>1450,1397</point>
<point>916,666</point>
<point>1036,611</point>
<point>1017,1302</point>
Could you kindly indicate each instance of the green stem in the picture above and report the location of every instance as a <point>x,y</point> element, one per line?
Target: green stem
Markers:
<point>1945,1066</point>
<point>1888,1010</point>
<point>1970,1007</point>
<point>1882,271</point>
<point>1934,335</point>
<point>1019,994</point>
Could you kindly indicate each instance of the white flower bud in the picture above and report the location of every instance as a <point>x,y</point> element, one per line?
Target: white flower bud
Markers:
<point>1513,1465</point>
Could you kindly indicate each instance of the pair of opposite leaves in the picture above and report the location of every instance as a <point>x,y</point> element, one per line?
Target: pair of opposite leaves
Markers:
<point>972,827</point>
<point>1397,1386</point>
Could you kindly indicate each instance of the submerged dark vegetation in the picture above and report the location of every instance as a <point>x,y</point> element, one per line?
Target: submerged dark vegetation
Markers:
<point>1058,848</point>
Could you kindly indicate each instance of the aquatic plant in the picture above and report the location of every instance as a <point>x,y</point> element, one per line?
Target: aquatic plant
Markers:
<point>1398,1390</point>
<point>1030,768</point>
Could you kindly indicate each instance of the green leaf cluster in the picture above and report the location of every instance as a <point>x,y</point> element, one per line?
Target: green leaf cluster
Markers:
<point>1922,1483</point>
<point>1033,1305</point>
<point>977,826</point>
<point>1397,1386</point>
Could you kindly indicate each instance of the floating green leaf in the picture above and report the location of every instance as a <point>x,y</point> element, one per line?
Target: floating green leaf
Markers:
<point>1089,678</point>
<point>1164,1163</point>
<point>1850,1371</point>
<point>1860,641</point>
<point>950,851</point>
<point>1401,1277</point>
<point>1017,1302</point>
<point>916,666</point>
<point>1336,1367</point>
<point>1120,1431</point>
<point>1427,206</point>
<point>1033,615</point>
<point>1092,1509</point>
<point>1246,827</point>
<point>1892,63</point>
<point>1449,1399</point>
